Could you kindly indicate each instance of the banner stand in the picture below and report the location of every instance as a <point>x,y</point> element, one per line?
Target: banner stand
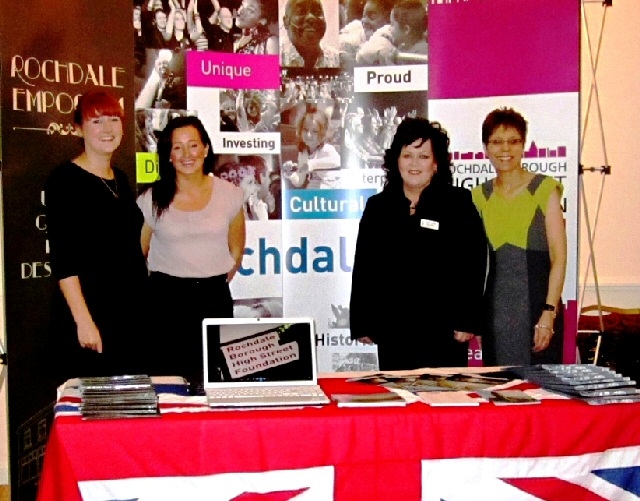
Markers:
<point>604,170</point>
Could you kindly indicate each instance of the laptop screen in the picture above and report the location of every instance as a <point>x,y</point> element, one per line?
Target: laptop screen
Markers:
<point>259,351</point>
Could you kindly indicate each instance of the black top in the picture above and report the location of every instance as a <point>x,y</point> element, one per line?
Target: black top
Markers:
<point>95,236</point>
<point>417,278</point>
<point>218,39</point>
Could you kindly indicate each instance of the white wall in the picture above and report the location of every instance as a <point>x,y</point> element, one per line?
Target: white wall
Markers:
<point>617,239</point>
<point>617,242</point>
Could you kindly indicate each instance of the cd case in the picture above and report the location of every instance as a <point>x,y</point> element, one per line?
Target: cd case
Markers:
<point>118,397</point>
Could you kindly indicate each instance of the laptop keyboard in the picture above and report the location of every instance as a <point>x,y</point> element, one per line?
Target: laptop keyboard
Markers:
<point>269,391</point>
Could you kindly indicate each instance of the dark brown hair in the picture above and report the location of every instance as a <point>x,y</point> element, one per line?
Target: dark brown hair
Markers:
<point>503,117</point>
<point>409,131</point>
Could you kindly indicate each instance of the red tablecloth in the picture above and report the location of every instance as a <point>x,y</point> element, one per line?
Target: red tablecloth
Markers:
<point>350,454</point>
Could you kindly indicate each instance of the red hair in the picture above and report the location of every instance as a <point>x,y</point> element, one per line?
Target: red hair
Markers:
<point>96,103</point>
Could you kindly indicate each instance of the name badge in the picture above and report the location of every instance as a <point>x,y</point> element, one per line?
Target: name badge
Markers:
<point>429,224</point>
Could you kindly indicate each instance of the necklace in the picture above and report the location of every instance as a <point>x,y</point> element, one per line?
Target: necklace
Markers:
<point>115,185</point>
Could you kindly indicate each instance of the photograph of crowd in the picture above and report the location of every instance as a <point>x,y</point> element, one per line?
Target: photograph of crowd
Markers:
<point>371,123</point>
<point>382,32</point>
<point>249,110</point>
<point>149,123</point>
<point>241,27</point>
<point>306,33</point>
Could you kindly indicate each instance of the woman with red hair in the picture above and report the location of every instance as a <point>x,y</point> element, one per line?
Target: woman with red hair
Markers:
<point>93,226</point>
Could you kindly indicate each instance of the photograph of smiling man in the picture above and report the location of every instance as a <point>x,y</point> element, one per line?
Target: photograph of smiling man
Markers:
<point>309,34</point>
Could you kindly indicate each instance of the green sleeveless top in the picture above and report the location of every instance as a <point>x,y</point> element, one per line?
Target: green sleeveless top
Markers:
<point>519,221</point>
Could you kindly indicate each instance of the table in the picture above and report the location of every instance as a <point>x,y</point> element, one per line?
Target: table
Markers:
<point>556,450</point>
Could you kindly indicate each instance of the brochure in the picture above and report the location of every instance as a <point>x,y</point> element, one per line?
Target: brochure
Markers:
<point>388,399</point>
<point>449,398</point>
<point>508,397</point>
<point>432,382</point>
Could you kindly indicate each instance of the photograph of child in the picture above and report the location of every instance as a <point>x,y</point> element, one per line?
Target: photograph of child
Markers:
<point>317,164</point>
<point>259,178</point>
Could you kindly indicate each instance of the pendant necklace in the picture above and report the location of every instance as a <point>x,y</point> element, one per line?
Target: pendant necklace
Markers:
<point>115,182</point>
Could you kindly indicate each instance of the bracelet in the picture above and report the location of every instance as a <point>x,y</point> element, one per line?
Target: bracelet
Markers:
<point>546,327</point>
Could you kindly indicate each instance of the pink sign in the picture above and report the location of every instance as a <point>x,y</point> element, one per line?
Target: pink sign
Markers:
<point>233,71</point>
<point>466,59</point>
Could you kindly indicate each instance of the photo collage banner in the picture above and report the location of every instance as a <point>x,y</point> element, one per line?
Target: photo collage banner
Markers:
<point>301,99</point>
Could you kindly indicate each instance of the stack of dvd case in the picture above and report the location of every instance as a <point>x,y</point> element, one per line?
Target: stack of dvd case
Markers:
<point>594,384</point>
<point>118,397</point>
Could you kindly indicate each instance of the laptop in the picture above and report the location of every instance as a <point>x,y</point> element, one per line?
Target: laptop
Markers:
<point>258,362</point>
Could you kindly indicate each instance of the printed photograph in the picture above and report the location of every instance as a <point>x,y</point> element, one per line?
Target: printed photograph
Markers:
<point>184,25</point>
<point>311,153</point>
<point>260,180</point>
<point>382,32</point>
<point>371,121</point>
<point>432,382</point>
<point>219,25</point>
<point>354,362</point>
<point>257,22</point>
<point>313,111</point>
<point>309,34</point>
<point>149,123</point>
<point>165,83</point>
<point>341,317</point>
<point>259,307</point>
<point>249,110</point>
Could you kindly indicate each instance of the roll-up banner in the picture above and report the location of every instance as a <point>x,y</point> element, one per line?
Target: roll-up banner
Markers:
<point>51,53</point>
<point>269,91</point>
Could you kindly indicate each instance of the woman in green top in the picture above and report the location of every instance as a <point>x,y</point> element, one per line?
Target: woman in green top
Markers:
<point>523,220</point>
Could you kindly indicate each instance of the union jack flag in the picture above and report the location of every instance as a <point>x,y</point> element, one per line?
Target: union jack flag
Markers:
<point>610,475</point>
<point>310,484</point>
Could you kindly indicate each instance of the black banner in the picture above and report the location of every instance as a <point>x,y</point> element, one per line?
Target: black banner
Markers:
<point>51,53</point>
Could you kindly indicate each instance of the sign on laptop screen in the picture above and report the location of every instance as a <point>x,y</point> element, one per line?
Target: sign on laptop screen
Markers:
<point>264,352</point>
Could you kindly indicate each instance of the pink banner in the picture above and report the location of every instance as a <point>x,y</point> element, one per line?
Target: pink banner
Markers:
<point>233,71</point>
<point>480,49</point>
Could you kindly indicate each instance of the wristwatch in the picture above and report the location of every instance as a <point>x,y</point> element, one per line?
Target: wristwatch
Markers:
<point>548,307</point>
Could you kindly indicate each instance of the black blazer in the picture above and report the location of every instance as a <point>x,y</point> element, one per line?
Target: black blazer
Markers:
<point>421,272</point>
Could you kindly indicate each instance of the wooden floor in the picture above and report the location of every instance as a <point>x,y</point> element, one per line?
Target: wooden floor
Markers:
<point>4,493</point>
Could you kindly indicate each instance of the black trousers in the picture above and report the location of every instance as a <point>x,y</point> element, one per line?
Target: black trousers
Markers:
<point>178,306</point>
<point>421,349</point>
